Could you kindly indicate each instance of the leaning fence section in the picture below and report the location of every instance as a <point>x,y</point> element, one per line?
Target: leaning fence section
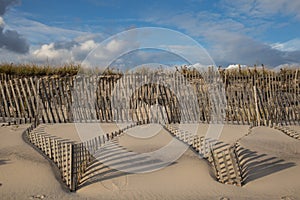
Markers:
<point>222,157</point>
<point>55,149</point>
<point>72,159</point>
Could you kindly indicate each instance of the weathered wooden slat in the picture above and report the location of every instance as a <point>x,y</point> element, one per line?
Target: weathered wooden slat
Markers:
<point>32,96</point>
<point>44,100</point>
<point>2,106</point>
<point>27,102</point>
<point>16,103</point>
<point>19,97</point>
<point>11,105</point>
<point>52,100</point>
<point>61,99</point>
<point>4,98</point>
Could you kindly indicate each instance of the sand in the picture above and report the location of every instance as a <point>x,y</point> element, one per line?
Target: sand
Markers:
<point>25,174</point>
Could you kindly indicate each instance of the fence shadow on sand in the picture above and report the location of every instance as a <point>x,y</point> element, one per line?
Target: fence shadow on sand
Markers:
<point>255,166</point>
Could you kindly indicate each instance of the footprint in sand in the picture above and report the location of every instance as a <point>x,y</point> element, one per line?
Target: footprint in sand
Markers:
<point>115,184</point>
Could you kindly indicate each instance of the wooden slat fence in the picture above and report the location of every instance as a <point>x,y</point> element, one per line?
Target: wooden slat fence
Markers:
<point>261,99</point>
<point>72,159</point>
<point>288,131</point>
<point>206,97</point>
<point>221,156</point>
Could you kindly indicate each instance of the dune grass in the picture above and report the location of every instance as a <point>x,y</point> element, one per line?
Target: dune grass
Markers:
<point>24,70</point>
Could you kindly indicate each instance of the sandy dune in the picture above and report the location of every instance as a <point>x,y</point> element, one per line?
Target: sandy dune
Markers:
<point>274,162</point>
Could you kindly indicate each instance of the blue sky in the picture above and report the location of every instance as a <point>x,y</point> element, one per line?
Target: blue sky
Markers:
<point>245,32</point>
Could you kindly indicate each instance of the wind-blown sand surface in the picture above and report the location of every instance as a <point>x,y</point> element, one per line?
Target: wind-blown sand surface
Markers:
<point>274,157</point>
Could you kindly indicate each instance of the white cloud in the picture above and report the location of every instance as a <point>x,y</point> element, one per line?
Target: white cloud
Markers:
<point>82,49</point>
<point>50,54</point>
<point>115,45</point>
<point>88,36</point>
<point>291,45</point>
<point>287,65</point>
<point>200,66</point>
<point>109,51</point>
<point>88,45</point>
<point>64,54</point>
<point>47,52</point>
<point>77,52</point>
<point>236,66</point>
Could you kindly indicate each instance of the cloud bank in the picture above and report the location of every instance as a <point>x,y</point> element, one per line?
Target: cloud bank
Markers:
<point>11,39</point>
<point>232,32</point>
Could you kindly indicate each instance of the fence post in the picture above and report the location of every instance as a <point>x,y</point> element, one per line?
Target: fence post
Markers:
<point>73,185</point>
<point>256,105</point>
